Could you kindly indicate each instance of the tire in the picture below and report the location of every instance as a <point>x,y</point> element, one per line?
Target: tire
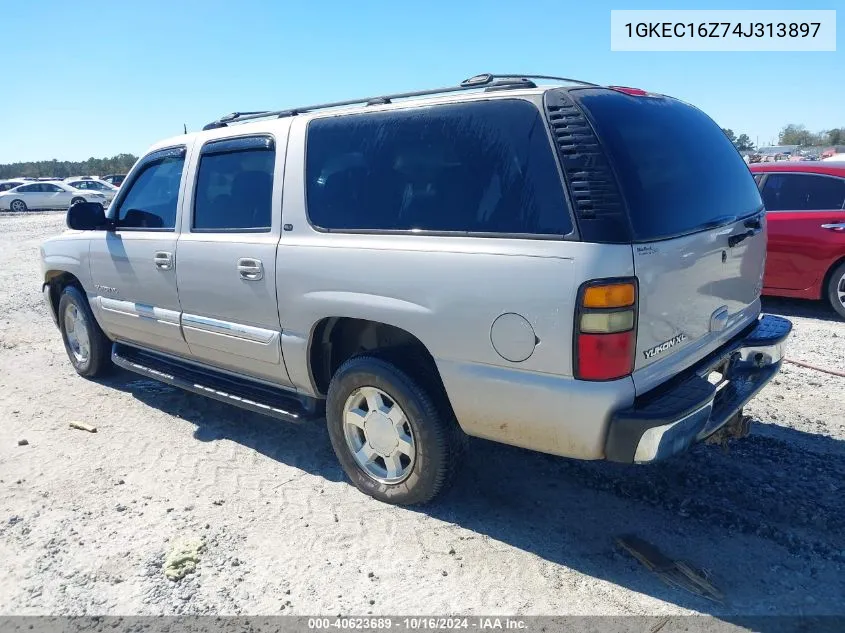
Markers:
<point>836,289</point>
<point>77,201</point>
<point>18,206</point>
<point>78,327</point>
<point>437,441</point>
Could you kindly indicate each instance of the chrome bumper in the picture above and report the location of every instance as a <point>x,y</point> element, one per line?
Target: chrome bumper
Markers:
<point>671,418</point>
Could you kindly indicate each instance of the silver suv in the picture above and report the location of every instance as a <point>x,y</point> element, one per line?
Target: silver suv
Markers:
<point>566,267</point>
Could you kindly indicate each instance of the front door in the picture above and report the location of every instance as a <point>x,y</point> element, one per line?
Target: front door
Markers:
<point>134,267</point>
<point>804,214</point>
<point>55,197</point>
<point>227,258</point>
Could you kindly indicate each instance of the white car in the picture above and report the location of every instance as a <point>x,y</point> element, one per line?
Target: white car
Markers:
<point>92,185</point>
<point>46,195</point>
<point>836,158</point>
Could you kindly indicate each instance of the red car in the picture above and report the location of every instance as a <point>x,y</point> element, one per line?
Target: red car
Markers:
<point>805,204</point>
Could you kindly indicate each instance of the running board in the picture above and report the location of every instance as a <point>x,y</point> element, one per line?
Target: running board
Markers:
<point>240,392</point>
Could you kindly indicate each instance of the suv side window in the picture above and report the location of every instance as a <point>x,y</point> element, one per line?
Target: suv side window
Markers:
<point>150,200</point>
<point>482,167</point>
<point>803,192</point>
<point>234,190</point>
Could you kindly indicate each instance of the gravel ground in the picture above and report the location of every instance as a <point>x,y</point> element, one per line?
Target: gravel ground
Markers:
<point>88,520</point>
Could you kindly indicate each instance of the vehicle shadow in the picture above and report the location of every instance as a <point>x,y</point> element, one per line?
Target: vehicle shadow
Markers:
<point>800,308</point>
<point>766,519</point>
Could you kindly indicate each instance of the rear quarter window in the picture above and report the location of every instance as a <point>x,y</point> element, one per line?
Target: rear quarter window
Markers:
<point>677,170</point>
<point>485,167</point>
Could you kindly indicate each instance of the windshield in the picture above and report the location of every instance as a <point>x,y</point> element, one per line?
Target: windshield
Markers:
<point>678,171</point>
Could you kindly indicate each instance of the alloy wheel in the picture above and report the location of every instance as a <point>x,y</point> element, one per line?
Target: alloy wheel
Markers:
<point>379,435</point>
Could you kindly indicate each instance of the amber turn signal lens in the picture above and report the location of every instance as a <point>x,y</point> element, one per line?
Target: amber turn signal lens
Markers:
<point>609,296</point>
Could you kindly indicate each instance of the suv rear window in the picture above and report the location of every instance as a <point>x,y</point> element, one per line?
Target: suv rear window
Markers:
<point>678,171</point>
<point>483,168</point>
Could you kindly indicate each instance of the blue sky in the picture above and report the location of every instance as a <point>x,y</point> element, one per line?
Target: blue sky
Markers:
<point>99,78</point>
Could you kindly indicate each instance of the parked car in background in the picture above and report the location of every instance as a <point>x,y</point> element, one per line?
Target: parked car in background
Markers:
<point>830,151</point>
<point>5,185</point>
<point>834,158</point>
<point>115,179</point>
<point>805,205</point>
<point>46,195</point>
<point>87,183</point>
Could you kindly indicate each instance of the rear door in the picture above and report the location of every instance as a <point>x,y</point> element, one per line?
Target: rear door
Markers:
<point>31,195</point>
<point>806,228</point>
<point>695,223</point>
<point>227,257</point>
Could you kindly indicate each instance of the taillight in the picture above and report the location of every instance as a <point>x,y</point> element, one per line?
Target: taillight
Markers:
<point>605,329</point>
<point>634,92</point>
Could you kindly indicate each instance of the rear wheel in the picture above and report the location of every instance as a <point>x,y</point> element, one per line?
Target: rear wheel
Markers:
<point>18,206</point>
<point>396,440</point>
<point>76,201</point>
<point>836,289</point>
<point>87,346</point>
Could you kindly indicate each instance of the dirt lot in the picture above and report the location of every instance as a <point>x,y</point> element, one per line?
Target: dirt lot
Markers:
<point>86,520</point>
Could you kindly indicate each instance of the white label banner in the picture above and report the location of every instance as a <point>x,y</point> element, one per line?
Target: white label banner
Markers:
<point>722,30</point>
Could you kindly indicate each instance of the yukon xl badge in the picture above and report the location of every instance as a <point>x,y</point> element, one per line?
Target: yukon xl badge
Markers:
<point>659,349</point>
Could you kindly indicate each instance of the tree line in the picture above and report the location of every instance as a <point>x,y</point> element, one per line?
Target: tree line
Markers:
<point>792,134</point>
<point>119,164</point>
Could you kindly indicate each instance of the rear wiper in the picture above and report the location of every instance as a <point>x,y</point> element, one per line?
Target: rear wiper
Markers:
<point>722,220</point>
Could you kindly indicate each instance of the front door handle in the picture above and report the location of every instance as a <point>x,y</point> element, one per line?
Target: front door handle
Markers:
<point>839,226</point>
<point>163,260</point>
<point>250,269</point>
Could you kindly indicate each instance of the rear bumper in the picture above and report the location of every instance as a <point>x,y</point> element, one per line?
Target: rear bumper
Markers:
<point>671,418</point>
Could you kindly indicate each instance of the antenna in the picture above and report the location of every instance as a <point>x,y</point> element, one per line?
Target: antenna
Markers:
<point>184,128</point>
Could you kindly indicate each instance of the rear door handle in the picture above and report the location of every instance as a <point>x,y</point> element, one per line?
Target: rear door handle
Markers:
<point>163,260</point>
<point>250,269</point>
<point>838,226</point>
<point>733,240</point>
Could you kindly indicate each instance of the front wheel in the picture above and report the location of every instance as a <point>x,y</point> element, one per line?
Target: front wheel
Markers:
<point>87,346</point>
<point>396,440</point>
<point>836,289</point>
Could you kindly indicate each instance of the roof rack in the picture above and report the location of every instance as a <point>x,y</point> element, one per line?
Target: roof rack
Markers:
<point>488,81</point>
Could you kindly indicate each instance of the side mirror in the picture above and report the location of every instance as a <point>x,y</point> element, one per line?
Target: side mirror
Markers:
<point>87,216</point>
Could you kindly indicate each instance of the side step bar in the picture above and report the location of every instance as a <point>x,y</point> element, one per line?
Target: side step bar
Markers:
<point>240,392</point>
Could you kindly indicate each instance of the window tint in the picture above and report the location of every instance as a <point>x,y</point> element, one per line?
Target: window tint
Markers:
<point>235,190</point>
<point>150,202</point>
<point>677,169</point>
<point>803,192</point>
<point>51,188</point>
<point>30,188</point>
<point>484,167</point>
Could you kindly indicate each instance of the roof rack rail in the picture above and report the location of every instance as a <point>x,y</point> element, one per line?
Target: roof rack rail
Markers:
<point>488,81</point>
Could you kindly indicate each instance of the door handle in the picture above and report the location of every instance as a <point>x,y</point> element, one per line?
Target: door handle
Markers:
<point>163,260</point>
<point>839,226</point>
<point>733,240</point>
<point>250,269</point>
